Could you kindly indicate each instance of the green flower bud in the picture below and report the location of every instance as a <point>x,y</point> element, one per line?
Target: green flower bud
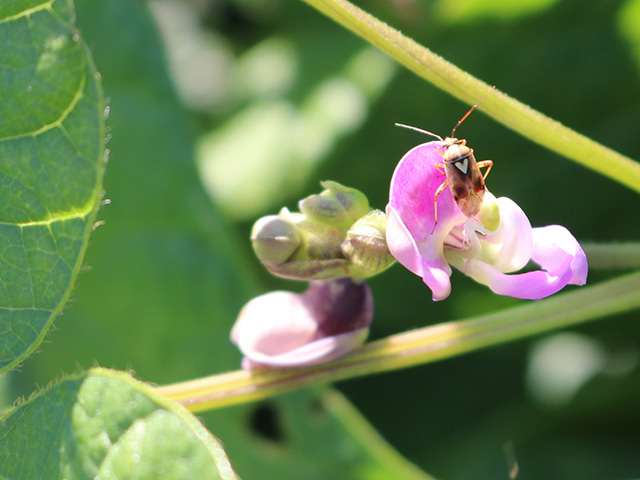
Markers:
<point>335,236</point>
<point>275,239</point>
<point>338,205</point>
<point>366,245</point>
<point>321,241</point>
<point>290,246</point>
<point>312,269</point>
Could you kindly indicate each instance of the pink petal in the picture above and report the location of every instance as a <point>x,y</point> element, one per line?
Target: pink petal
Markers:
<point>557,252</point>
<point>411,236</point>
<point>554,246</point>
<point>413,188</point>
<point>433,268</point>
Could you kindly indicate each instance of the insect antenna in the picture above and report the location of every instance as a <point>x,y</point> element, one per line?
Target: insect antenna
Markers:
<point>419,130</point>
<point>453,132</point>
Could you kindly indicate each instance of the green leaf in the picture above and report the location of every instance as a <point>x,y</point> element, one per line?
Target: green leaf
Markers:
<point>309,435</point>
<point>51,154</point>
<point>104,424</point>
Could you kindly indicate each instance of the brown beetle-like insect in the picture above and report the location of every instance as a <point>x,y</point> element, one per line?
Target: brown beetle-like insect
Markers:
<point>461,169</point>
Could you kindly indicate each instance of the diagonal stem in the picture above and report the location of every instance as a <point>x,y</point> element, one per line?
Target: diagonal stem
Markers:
<point>417,347</point>
<point>506,110</point>
<point>613,255</point>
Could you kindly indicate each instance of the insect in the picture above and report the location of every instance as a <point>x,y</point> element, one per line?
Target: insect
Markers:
<point>462,171</point>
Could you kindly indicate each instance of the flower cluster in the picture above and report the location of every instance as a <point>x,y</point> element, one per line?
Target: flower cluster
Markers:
<point>488,247</point>
<point>335,234</point>
<point>336,241</point>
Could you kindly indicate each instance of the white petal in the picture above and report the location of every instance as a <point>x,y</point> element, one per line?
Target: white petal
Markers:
<point>554,246</point>
<point>272,324</point>
<point>318,351</point>
<point>517,238</point>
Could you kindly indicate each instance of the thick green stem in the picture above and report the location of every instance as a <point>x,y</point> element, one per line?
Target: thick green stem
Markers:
<point>417,347</point>
<point>506,110</point>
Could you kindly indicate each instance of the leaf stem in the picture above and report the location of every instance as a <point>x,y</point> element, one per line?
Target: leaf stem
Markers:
<point>378,448</point>
<point>506,110</point>
<point>416,347</point>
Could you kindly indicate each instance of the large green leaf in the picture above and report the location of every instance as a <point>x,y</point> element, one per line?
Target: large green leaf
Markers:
<point>51,149</point>
<point>104,424</point>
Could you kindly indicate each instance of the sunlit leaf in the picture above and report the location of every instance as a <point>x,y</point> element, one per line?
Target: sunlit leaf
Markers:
<point>51,154</point>
<point>629,26</point>
<point>103,424</point>
<point>467,10</point>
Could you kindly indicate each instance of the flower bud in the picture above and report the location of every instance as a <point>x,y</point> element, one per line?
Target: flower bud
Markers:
<point>290,246</point>
<point>366,244</point>
<point>275,239</point>
<point>338,205</point>
<point>335,235</point>
<point>285,329</point>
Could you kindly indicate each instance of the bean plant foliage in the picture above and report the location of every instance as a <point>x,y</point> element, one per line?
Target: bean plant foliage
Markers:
<point>121,223</point>
<point>100,423</point>
<point>52,161</point>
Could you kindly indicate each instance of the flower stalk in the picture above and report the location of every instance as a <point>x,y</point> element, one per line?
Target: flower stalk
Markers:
<point>614,255</point>
<point>416,347</point>
<point>513,114</point>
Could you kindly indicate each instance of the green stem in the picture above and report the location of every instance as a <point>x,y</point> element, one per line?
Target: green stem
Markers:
<point>613,255</point>
<point>506,110</point>
<point>417,347</point>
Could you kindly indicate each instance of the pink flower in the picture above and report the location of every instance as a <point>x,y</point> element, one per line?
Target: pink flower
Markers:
<point>285,329</point>
<point>488,247</point>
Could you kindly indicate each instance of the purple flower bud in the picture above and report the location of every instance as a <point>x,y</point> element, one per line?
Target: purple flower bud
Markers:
<point>285,329</point>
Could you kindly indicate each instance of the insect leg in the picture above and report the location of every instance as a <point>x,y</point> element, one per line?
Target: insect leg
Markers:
<point>488,164</point>
<point>441,188</point>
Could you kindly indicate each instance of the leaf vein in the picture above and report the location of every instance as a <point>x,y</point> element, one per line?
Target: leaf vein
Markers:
<point>28,12</point>
<point>58,122</point>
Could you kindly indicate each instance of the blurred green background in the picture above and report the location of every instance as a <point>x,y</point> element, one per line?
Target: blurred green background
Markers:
<point>224,110</point>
